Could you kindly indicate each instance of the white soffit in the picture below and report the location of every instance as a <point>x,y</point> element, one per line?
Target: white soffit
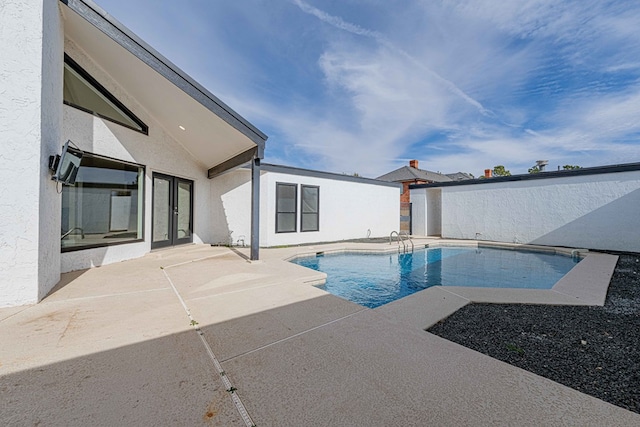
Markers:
<point>209,138</point>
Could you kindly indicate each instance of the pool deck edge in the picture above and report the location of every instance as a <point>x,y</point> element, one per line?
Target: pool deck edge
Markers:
<point>589,280</point>
<point>585,284</point>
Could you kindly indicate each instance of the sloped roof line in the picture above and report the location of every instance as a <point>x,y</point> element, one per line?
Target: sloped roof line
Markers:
<point>407,173</point>
<point>120,34</point>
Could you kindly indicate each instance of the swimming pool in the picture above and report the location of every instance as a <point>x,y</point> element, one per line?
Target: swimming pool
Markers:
<point>376,279</point>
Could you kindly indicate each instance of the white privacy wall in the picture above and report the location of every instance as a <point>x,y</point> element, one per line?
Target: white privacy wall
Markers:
<point>347,209</point>
<point>30,122</point>
<point>158,152</point>
<point>596,211</point>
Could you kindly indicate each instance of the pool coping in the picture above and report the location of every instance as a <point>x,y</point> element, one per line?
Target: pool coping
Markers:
<point>585,284</point>
<point>382,248</point>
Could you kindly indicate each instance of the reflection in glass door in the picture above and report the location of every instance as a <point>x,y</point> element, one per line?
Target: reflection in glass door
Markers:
<point>183,205</point>
<point>172,211</point>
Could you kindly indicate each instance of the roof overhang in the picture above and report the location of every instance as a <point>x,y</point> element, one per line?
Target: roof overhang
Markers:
<point>214,134</point>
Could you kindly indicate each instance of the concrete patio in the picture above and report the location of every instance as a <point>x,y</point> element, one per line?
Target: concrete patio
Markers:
<point>198,335</point>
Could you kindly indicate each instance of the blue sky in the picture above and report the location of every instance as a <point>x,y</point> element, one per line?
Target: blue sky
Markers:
<point>363,86</point>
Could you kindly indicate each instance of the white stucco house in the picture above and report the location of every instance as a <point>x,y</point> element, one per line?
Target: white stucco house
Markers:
<point>156,151</point>
<point>299,206</point>
<point>593,208</point>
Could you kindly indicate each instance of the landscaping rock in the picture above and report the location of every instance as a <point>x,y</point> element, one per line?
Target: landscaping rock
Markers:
<point>595,350</point>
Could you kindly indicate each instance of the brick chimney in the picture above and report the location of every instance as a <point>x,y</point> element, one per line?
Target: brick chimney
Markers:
<point>487,173</point>
<point>413,163</point>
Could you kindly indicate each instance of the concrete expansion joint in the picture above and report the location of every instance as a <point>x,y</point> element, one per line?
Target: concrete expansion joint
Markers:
<point>242,410</point>
<point>453,293</point>
<point>93,297</point>
<point>192,261</point>
<point>14,314</point>
<point>295,335</point>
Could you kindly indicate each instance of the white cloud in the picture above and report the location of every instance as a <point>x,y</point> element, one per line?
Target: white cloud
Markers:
<point>460,85</point>
<point>591,133</point>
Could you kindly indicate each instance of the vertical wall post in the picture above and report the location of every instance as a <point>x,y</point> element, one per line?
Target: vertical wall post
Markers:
<point>255,209</point>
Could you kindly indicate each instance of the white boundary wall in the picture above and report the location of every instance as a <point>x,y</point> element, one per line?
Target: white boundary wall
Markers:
<point>595,211</point>
<point>348,209</point>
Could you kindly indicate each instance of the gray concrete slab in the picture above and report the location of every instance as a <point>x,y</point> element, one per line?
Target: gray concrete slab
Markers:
<point>585,280</point>
<point>114,346</point>
<point>239,336</point>
<point>515,296</point>
<point>7,312</point>
<point>228,273</point>
<point>425,308</point>
<point>164,381</point>
<point>128,277</point>
<point>366,370</point>
<point>58,330</point>
<point>218,308</point>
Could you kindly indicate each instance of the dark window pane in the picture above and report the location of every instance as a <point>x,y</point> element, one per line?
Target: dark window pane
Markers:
<point>286,207</point>
<point>310,199</point>
<point>161,209</point>
<point>310,208</point>
<point>286,198</point>
<point>309,222</point>
<point>81,91</point>
<point>286,222</point>
<point>184,209</point>
<point>105,204</point>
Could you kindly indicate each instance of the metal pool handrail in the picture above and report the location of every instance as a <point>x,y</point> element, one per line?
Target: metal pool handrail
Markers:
<point>404,233</point>
<point>400,240</point>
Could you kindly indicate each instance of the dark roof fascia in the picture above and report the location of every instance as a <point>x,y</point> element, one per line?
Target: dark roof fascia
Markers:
<point>326,175</point>
<point>597,170</point>
<point>121,35</point>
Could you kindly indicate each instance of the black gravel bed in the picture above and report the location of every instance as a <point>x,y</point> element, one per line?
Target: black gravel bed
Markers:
<point>595,350</point>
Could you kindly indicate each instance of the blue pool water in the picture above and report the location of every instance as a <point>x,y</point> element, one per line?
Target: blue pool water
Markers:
<point>376,279</point>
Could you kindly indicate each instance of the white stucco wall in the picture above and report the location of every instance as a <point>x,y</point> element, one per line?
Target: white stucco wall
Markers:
<point>348,210</point>
<point>158,152</point>
<point>30,127</point>
<point>434,212</point>
<point>231,207</point>
<point>419,212</point>
<point>598,211</point>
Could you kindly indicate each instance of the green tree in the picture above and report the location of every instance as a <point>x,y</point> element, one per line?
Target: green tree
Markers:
<point>499,170</point>
<point>570,167</point>
<point>534,169</point>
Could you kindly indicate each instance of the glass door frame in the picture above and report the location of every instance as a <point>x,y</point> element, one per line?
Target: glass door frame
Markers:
<point>174,183</point>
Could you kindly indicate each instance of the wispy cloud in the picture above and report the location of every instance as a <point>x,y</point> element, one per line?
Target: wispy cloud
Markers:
<point>459,84</point>
<point>383,41</point>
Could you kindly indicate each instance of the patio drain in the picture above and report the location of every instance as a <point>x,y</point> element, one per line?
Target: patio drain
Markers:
<point>225,379</point>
